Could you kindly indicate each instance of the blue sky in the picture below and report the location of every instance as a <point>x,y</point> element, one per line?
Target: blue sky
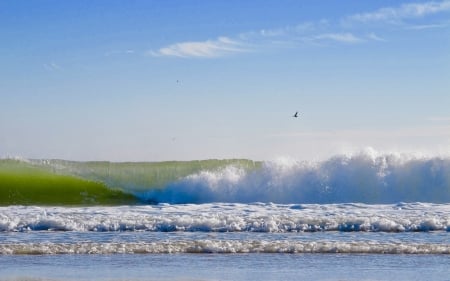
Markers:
<point>180,80</point>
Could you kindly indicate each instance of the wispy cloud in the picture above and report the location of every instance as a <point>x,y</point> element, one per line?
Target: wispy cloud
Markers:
<point>405,11</point>
<point>52,66</point>
<point>339,37</point>
<point>313,32</point>
<point>251,41</point>
<point>289,30</point>
<point>206,49</point>
<point>248,41</point>
<point>428,26</point>
<point>123,52</point>
<point>374,37</point>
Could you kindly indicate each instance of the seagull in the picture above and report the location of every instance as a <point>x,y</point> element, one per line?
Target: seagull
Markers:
<point>295,115</point>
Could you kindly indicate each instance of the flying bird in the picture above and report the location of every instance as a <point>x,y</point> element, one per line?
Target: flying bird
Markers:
<point>295,115</point>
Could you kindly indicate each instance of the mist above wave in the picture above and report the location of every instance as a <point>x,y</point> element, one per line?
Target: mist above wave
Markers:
<point>365,177</point>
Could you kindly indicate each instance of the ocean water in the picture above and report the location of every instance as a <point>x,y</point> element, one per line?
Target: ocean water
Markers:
<point>362,217</point>
<point>208,267</point>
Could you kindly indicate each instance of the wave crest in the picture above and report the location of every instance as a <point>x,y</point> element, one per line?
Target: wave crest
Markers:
<point>365,177</point>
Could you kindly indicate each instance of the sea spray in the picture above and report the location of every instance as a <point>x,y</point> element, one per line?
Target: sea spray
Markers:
<point>359,178</point>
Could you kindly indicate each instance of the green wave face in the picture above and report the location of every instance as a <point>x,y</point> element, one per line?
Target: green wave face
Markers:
<point>60,182</point>
<point>23,183</point>
<point>138,176</point>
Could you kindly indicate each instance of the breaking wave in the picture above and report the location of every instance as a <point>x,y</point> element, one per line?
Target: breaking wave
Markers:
<point>361,178</point>
<point>366,177</point>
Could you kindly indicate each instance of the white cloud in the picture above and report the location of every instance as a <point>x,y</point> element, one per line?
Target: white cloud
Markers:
<point>249,41</point>
<point>124,52</point>
<point>273,32</point>
<point>52,66</point>
<point>428,26</point>
<point>339,37</point>
<point>206,49</point>
<point>374,37</point>
<point>405,11</point>
<point>292,36</point>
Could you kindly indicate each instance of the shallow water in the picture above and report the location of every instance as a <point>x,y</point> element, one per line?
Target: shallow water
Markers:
<point>226,267</point>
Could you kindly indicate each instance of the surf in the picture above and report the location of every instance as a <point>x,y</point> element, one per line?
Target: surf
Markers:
<point>363,177</point>
<point>225,247</point>
<point>229,218</point>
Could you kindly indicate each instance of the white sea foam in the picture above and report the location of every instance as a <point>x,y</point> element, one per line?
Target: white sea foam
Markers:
<point>225,247</point>
<point>367,177</point>
<point>221,217</point>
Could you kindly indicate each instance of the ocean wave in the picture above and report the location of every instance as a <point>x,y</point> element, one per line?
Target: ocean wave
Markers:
<point>220,217</point>
<point>360,178</point>
<point>224,247</point>
<point>366,177</point>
